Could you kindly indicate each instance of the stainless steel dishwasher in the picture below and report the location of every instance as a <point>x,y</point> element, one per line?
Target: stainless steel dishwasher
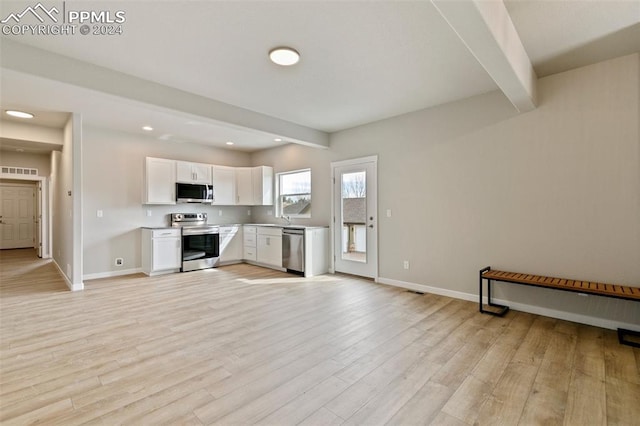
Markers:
<point>293,250</point>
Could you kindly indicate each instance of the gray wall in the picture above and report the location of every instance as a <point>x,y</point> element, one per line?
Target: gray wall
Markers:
<point>555,191</point>
<point>296,157</point>
<point>42,162</point>
<point>472,183</point>
<point>113,177</point>
<point>66,197</point>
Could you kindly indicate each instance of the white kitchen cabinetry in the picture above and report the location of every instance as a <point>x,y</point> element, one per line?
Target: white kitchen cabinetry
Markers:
<point>159,181</point>
<point>231,244</point>
<point>224,185</point>
<point>187,172</point>
<point>269,246</point>
<point>262,177</point>
<point>316,251</point>
<point>249,237</point>
<point>161,251</point>
<point>244,186</point>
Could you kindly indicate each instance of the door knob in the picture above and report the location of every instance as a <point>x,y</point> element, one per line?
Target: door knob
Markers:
<point>370,226</point>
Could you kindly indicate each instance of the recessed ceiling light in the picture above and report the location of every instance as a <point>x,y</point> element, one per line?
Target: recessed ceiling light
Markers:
<point>229,143</point>
<point>19,114</point>
<point>277,140</point>
<point>147,128</point>
<point>284,56</point>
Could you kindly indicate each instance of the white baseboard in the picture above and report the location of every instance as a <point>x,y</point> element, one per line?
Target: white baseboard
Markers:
<point>532,309</point>
<point>67,281</point>
<point>110,274</point>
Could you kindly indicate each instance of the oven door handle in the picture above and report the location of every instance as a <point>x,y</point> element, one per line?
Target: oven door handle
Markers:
<point>200,232</point>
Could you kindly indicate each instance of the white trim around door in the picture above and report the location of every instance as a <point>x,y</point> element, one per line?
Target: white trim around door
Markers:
<point>42,209</point>
<point>354,222</point>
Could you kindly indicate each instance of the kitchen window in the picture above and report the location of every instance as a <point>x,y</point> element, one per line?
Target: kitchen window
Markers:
<point>294,193</point>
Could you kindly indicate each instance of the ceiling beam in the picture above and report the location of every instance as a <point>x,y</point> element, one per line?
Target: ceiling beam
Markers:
<point>485,27</point>
<point>31,60</point>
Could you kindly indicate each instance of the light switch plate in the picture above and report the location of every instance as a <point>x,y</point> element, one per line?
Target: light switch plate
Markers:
<point>99,213</point>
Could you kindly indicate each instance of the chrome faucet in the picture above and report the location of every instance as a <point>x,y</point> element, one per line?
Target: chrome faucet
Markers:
<point>286,218</point>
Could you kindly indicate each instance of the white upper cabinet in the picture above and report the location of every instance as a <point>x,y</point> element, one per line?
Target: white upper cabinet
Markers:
<point>187,172</point>
<point>159,181</point>
<point>224,185</point>
<point>244,186</point>
<point>262,177</point>
<point>232,186</point>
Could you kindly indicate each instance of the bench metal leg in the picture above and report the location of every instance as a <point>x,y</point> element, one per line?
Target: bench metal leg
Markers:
<point>622,334</point>
<point>502,309</point>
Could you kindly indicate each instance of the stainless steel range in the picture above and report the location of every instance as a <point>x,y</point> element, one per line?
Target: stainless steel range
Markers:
<point>200,242</point>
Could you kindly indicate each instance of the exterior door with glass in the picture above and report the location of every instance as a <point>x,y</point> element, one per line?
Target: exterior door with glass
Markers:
<point>355,230</point>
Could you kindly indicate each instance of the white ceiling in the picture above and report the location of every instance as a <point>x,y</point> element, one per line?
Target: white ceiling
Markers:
<point>361,60</point>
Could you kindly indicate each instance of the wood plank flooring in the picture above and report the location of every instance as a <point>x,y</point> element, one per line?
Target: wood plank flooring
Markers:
<point>246,345</point>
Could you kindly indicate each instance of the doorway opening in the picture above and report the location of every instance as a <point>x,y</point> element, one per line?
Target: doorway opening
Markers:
<point>24,215</point>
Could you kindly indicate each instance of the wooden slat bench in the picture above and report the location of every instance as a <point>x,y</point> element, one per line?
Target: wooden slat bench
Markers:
<point>586,287</point>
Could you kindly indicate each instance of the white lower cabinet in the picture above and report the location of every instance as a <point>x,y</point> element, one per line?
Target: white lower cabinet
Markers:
<point>249,238</point>
<point>231,244</point>
<point>316,251</point>
<point>263,245</point>
<point>161,251</point>
<point>269,246</point>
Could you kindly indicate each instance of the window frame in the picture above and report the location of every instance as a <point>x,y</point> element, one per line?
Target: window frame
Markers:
<point>279,207</point>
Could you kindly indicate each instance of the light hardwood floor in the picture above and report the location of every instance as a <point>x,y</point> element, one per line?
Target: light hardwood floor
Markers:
<point>246,345</point>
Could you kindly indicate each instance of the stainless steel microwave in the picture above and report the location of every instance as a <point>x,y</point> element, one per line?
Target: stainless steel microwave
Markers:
<point>194,193</point>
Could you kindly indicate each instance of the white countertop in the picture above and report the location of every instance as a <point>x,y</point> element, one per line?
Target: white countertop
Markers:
<point>272,225</point>
<point>278,225</point>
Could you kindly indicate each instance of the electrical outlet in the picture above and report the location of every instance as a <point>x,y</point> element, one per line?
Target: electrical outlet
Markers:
<point>119,261</point>
<point>388,212</point>
<point>220,212</point>
<point>249,212</point>
<point>149,213</point>
<point>99,213</point>
<point>406,264</point>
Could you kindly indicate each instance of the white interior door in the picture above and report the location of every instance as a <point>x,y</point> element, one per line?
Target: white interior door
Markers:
<point>355,225</point>
<point>16,216</point>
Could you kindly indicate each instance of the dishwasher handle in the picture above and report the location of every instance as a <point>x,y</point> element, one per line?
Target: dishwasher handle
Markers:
<point>292,231</point>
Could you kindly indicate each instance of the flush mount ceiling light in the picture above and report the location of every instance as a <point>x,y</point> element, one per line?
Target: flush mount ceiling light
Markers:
<point>19,114</point>
<point>277,140</point>
<point>284,56</point>
<point>147,128</point>
<point>229,143</point>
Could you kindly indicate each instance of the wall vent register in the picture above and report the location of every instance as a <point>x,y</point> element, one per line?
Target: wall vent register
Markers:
<point>22,171</point>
